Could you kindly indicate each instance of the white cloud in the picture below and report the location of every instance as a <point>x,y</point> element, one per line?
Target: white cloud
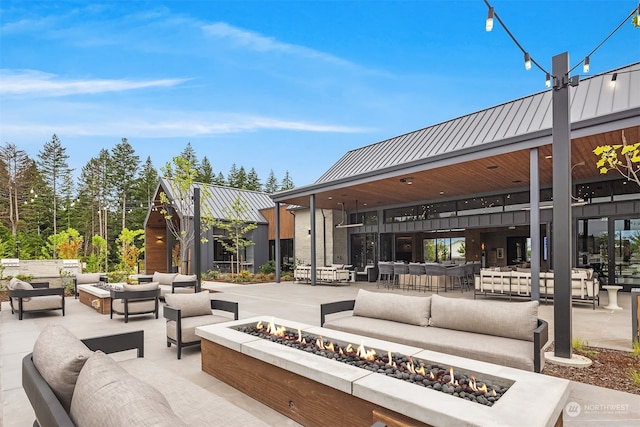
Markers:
<point>259,43</point>
<point>33,82</point>
<point>163,125</point>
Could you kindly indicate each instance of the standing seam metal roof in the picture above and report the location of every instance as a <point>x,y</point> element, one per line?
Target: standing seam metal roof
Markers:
<point>220,198</point>
<point>591,98</point>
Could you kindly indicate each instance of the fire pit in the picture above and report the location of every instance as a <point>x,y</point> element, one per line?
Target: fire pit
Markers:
<point>320,391</point>
<point>396,365</point>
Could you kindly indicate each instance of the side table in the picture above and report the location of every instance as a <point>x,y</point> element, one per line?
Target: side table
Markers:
<point>612,290</point>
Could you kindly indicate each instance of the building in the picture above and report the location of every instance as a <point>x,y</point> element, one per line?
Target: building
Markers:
<point>462,189</point>
<point>216,201</point>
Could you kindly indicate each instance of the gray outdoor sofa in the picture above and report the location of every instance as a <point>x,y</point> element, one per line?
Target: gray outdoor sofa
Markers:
<point>69,383</point>
<point>503,333</point>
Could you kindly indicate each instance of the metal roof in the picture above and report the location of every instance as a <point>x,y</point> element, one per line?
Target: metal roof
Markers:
<point>220,198</point>
<point>591,99</point>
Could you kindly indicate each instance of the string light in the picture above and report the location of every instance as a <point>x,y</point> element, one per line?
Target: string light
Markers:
<point>585,67</point>
<point>547,81</point>
<point>489,24</point>
<point>612,83</point>
<point>527,61</point>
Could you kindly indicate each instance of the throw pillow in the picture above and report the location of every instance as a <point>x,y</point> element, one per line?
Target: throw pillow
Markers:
<point>107,395</point>
<point>190,305</point>
<point>60,356</point>
<point>399,308</point>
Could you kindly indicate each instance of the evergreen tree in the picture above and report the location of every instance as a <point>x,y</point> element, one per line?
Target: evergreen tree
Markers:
<point>253,182</point>
<point>14,177</point>
<point>287,182</point>
<point>125,165</point>
<point>271,186</point>
<point>232,177</point>
<point>53,166</point>
<point>143,193</point>
<point>205,172</point>
<point>241,178</point>
<point>189,154</point>
<point>219,180</point>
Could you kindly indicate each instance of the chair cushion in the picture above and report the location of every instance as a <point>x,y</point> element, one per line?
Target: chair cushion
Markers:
<point>163,278</point>
<point>87,278</point>
<point>190,305</point>
<point>502,319</point>
<point>107,395</point>
<point>60,356</point>
<point>44,302</point>
<point>136,306</point>
<point>190,324</point>
<point>142,287</point>
<point>185,278</point>
<point>399,308</point>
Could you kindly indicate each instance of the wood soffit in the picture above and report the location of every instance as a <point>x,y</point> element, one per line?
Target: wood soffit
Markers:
<point>481,176</point>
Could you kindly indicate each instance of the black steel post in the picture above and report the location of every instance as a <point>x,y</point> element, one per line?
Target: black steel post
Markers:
<point>534,223</point>
<point>197,238</point>
<point>561,133</point>
<point>312,224</point>
<point>277,244</point>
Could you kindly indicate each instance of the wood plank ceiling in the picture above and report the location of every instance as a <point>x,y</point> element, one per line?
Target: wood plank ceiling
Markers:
<point>482,176</point>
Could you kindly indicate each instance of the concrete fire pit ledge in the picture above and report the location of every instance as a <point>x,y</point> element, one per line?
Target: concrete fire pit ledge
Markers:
<point>532,399</point>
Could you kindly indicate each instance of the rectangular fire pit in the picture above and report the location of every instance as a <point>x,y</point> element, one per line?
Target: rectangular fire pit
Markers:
<point>317,391</point>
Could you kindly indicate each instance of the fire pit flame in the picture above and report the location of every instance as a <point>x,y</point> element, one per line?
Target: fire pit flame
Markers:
<point>401,363</point>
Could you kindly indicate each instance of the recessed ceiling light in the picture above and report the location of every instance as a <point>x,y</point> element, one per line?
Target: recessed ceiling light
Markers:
<point>441,193</point>
<point>330,198</point>
<point>548,157</point>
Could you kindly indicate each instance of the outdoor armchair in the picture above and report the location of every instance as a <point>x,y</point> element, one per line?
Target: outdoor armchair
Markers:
<point>135,299</point>
<point>34,297</point>
<point>185,312</point>
<point>173,283</point>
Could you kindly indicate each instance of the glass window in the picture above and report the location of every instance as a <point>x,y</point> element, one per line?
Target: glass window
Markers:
<point>480,205</point>
<point>438,210</point>
<point>625,190</point>
<point>366,218</point>
<point>407,213</point>
<point>598,192</point>
<point>592,245</point>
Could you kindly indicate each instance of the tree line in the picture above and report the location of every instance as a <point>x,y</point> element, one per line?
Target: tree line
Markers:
<point>40,198</point>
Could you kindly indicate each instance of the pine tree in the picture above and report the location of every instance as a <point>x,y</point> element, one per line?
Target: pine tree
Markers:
<point>143,193</point>
<point>14,177</point>
<point>53,165</point>
<point>241,178</point>
<point>189,154</point>
<point>125,168</point>
<point>253,182</point>
<point>205,172</point>
<point>271,186</point>
<point>287,182</point>
<point>219,180</point>
<point>232,177</point>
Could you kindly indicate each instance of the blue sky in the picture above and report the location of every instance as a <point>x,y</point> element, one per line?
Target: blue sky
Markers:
<point>282,85</point>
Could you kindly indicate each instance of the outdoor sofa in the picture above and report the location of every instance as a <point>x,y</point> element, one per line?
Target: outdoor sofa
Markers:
<point>585,286</point>
<point>88,279</point>
<point>34,297</point>
<point>503,333</point>
<point>335,274</point>
<point>135,300</point>
<point>69,382</point>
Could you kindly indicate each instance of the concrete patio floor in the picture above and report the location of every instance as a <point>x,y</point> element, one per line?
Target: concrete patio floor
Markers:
<point>589,405</point>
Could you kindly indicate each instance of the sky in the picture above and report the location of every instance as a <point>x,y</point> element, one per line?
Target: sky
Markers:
<point>273,84</point>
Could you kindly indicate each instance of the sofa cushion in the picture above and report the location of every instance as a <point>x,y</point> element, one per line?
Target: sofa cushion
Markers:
<point>163,278</point>
<point>87,278</point>
<point>136,306</point>
<point>197,304</point>
<point>503,319</point>
<point>142,287</point>
<point>487,348</point>
<point>189,325</point>
<point>185,278</point>
<point>399,308</point>
<point>107,395</point>
<point>44,302</point>
<point>59,356</point>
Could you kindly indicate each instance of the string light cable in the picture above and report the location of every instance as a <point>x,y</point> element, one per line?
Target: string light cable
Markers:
<point>492,14</point>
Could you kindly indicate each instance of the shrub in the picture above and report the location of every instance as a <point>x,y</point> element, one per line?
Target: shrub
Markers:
<point>269,267</point>
<point>243,276</point>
